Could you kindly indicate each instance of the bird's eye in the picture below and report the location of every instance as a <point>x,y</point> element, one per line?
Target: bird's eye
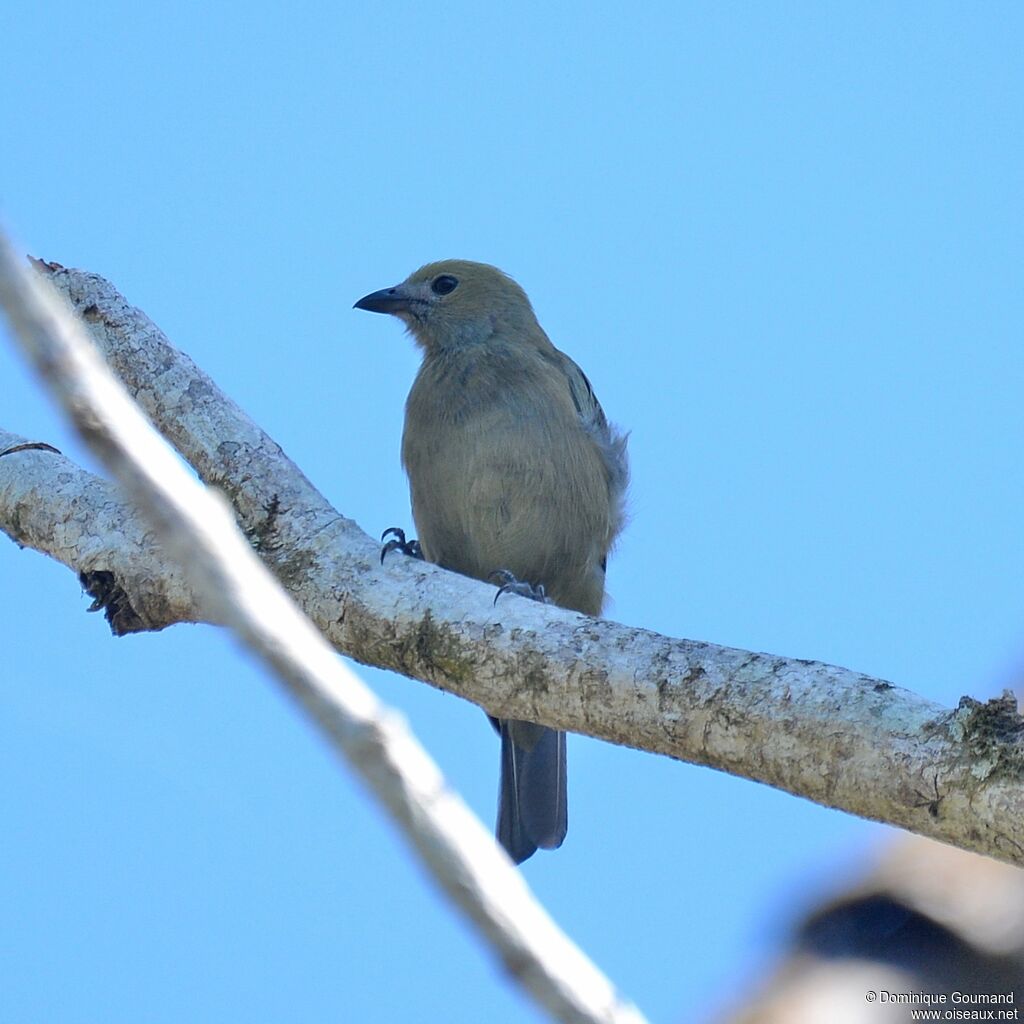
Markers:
<point>444,284</point>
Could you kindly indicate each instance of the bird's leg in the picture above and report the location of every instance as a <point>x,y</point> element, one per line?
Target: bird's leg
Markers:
<point>511,585</point>
<point>399,543</point>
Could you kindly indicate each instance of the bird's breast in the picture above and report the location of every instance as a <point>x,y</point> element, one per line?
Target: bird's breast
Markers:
<point>503,476</point>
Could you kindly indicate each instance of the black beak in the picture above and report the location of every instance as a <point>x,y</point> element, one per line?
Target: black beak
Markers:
<point>387,300</point>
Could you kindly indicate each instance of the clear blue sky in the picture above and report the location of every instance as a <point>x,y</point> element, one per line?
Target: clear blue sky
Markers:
<point>784,242</point>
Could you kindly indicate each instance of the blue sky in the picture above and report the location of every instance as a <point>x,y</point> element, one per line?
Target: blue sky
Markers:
<point>779,238</point>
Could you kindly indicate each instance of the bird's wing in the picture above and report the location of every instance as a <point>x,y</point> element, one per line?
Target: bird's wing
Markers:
<point>610,441</point>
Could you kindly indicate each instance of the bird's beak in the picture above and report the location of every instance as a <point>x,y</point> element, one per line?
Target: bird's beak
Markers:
<point>387,300</point>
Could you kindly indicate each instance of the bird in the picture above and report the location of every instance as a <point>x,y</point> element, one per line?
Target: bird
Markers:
<point>513,470</point>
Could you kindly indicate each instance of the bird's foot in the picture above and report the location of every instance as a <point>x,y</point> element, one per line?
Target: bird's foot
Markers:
<point>510,584</point>
<point>399,543</point>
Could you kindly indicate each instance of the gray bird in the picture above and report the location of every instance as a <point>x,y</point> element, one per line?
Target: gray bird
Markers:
<point>512,467</point>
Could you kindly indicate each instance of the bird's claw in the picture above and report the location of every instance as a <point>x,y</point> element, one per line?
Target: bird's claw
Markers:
<point>510,584</point>
<point>399,543</point>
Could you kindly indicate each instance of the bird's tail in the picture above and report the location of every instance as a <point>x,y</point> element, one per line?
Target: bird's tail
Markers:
<point>531,802</point>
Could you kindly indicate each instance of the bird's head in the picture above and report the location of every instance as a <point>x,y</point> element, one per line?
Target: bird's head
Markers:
<point>456,302</point>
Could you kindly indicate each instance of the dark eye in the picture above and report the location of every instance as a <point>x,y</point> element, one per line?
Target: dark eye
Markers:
<point>444,284</point>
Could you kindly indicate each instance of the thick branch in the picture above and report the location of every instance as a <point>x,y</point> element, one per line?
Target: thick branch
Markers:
<point>835,736</point>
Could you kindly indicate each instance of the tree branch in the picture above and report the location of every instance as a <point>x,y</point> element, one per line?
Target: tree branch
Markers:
<point>51,505</point>
<point>837,737</point>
